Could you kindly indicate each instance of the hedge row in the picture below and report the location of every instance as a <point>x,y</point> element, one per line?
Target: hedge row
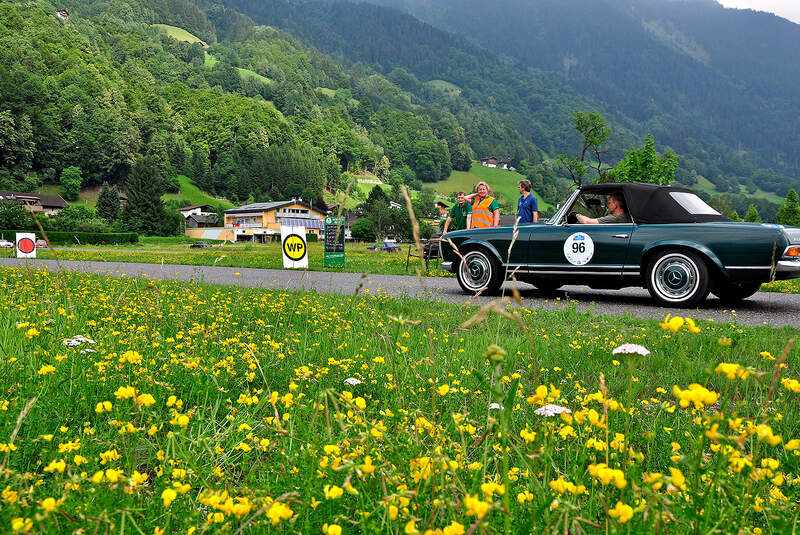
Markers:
<point>73,238</point>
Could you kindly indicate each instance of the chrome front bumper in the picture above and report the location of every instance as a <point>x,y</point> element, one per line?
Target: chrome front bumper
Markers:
<point>787,269</point>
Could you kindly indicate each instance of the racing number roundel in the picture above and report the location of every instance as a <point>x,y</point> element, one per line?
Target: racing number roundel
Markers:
<point>294,247</point>
<point>579,249</point>
<point>26,245</point>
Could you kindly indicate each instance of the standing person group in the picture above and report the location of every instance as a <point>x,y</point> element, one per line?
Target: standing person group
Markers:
<point>481,209</point>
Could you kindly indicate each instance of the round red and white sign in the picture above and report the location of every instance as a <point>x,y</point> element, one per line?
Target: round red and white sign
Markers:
<point>26,245</point>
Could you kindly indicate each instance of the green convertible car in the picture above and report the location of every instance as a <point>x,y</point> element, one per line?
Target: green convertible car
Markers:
<point>667,240</point>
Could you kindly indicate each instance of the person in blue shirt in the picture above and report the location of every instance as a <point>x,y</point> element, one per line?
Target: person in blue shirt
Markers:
<point>527,205</point>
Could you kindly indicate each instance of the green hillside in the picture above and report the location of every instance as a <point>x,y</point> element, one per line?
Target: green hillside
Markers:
<point>191,193</point>
<point>502,182</point>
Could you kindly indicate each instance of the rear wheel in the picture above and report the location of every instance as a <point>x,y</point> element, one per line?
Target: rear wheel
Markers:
<point>479,271</point>
<point>677,277</point>
<point>731,292</point>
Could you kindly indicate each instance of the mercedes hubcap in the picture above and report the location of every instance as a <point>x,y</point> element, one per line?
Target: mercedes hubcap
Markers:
<point>676,278</point>
<point>477,272</point>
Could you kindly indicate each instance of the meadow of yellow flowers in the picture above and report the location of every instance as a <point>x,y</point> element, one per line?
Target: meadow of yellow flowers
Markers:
<point>154,407</point>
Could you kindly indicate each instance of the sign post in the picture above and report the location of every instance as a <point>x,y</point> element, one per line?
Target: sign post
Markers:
<point>334,242</point>
<point>294,246</point>
<point>26,245</point>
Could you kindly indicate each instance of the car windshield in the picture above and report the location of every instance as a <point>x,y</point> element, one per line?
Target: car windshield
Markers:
<point>692,203</point>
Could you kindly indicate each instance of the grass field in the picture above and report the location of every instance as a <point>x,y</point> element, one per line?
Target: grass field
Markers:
<point>706,186</point>
<point>180,34</point>
<point>502,182</point>
<point>167,407</point>
<point>210,61</point>
<point>194,195</point>
<point>267,256</point>
<point>445,87</point>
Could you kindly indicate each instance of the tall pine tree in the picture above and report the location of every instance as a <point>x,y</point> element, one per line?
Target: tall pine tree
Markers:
<point>789,212</point>
<point>108,203</point>
<point>752,215</point>
<point>145,211</point>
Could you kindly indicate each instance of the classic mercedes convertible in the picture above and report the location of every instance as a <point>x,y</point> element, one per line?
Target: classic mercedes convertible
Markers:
<point>669,241</point>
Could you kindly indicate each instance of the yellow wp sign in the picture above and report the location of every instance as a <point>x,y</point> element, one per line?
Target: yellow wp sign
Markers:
<point>294,247</point>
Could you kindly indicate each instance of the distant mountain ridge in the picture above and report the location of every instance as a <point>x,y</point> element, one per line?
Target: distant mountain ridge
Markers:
<point>709,81</point>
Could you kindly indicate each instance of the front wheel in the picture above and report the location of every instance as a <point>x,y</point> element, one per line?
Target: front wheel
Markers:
<point>479,271</point>
<point>729,292</point>
<point>676,277</point>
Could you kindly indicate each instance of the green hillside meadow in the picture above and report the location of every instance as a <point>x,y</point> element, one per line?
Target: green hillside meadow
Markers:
<point>180,34</point>
<point>503,183</point>
<point>191,193</point>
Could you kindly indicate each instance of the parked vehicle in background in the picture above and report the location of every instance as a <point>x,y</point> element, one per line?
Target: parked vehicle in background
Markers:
<point>41,244</point>
<point>200,245</point>
<point>6,244</point>
<point>671,242</point>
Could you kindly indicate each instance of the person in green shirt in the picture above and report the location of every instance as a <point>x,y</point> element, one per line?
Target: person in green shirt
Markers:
<point>459,215</point>
<point>617,212</point>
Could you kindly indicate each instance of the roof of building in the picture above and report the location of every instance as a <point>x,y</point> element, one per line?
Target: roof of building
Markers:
<point>267,206</point>
<point>47,200</point>
<point>192,207</point>
<point>204,218</point>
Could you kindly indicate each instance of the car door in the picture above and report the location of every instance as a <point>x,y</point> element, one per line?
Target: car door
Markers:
<point>573,248</point>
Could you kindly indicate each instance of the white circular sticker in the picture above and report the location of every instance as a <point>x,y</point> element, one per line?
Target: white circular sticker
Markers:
<point>579,249</point>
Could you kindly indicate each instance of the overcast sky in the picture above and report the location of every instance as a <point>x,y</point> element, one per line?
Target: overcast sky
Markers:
<point>788,9</point>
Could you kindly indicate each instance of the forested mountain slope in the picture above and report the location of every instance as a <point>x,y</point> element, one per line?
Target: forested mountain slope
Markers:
<point>720,86</point>
<point>104,88</point>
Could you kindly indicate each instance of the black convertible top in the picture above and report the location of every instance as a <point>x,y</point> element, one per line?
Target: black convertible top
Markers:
<point>653,204</point>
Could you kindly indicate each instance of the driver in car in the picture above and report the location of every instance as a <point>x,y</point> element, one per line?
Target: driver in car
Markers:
<point>617,212</point>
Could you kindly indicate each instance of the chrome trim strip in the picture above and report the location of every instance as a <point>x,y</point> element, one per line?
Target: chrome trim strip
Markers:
<point>539,272</point>
<point>748,267</point>
<point>599,266</point>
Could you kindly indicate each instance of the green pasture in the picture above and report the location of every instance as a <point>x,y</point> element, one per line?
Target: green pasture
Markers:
<point>502,182</point>
<point>180,34</point>
<point>445,87</point>
<point>246,255</point>
<point>193,195</point>
<point>210,61</point>
<point>706,186</point>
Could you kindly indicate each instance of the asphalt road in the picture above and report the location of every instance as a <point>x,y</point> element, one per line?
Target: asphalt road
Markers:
<point>764,308</point>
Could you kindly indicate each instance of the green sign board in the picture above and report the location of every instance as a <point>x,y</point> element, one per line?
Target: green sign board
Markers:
<point>334,241</point>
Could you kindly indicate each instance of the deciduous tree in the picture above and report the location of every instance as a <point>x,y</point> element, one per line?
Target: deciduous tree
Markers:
<point>71,181</point>
<point>645,165</point>
<point>594,132</point>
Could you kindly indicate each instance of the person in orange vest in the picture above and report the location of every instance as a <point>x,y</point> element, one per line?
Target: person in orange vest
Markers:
<point>485,209</point>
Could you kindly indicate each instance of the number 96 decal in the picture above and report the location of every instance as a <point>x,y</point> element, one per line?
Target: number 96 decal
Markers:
<point>579,249</point>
